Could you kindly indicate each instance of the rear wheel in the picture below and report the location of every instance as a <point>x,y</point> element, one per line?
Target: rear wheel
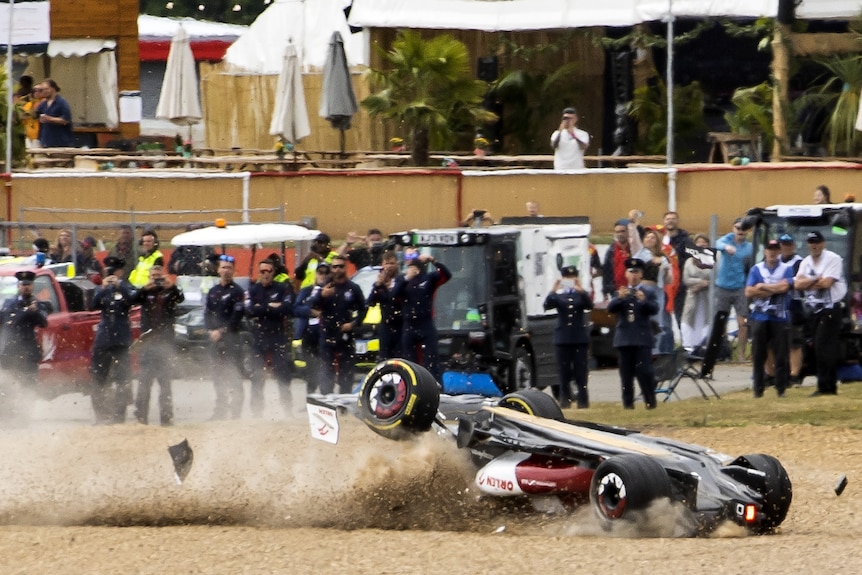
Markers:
<point>625,484</point>
<point>776,489</point>
<point>398,398</point>
<point>533,402</point>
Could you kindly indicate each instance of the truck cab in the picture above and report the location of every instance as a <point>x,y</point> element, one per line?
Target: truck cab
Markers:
<point>841,226</point>
<point>494,334</point>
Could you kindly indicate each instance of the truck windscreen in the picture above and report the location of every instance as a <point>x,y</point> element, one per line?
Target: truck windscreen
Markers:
<point>457,303</point>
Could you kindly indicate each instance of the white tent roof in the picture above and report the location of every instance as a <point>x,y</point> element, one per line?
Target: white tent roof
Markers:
<point>491,15</point>
<point>154,27</point>
<point>309,24</point>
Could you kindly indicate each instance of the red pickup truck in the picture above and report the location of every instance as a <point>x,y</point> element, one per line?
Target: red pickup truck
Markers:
<point>68,339</point>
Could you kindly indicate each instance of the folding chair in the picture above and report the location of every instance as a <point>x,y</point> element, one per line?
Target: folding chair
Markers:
<point>707,362</point>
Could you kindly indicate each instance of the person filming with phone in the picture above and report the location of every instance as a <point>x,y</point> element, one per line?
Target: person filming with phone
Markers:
<point>569,142</point>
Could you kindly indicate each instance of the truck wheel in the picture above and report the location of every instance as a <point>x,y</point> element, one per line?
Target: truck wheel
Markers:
<point>626,483</point>
<point>398,398</point>
<point>776,489</point>
<point>521,370</point>
<point>533,402</point>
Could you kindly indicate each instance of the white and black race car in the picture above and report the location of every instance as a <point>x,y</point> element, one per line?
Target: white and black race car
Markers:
<point>523,446</point>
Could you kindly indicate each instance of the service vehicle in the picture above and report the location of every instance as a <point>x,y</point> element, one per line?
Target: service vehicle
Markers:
<point>841,226</point>
<point>67,341</point>
<point>494,334</point>
<point>523,447</point>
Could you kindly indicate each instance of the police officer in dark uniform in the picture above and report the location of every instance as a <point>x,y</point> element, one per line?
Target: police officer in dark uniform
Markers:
<point>634,306</point>
<point>307,327</point>
<point>571,336</point>
<point>110,361</point>
<point>416,288</point>
<point>269,305</point>
<point>391,321</point>
<point>342,309</point>
<point>160,300</point>
<point>19,349</point>
<point>223,312</point>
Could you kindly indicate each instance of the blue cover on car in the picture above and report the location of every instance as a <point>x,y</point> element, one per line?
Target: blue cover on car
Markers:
<point>458,382</point>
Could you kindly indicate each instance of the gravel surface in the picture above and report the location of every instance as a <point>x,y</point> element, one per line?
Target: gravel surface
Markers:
<point>262,497</point>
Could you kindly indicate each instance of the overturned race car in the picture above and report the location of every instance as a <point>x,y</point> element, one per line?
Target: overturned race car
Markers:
<point>523,446</point>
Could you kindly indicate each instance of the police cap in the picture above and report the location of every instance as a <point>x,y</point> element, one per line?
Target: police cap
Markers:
<point>25,277</point>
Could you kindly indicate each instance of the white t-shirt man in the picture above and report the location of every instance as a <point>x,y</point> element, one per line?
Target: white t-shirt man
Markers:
<point>569,143</point>
<point>828,265</point>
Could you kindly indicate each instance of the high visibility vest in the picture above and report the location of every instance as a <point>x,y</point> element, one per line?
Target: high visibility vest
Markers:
<point>140,276</point>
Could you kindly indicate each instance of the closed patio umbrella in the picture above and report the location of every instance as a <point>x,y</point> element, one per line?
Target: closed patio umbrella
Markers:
<point>290,116</point>
<point>337,100</point>
<point>178,101</point>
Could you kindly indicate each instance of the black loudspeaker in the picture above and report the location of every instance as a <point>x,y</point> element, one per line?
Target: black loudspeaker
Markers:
<point>487,68</point>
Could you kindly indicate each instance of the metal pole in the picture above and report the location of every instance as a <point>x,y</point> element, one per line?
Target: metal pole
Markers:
<point>9,85</point>
<point>669,84</point>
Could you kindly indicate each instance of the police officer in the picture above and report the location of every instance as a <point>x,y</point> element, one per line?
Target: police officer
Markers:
<point>140,276</point>
<point>223,313</point>
<point>19,349</point>
<point>159,300</point>
<point>571,336</point>
<point>416,289</point>
<point>342,309</point>
<point>391,321</point>
<point>307,327</point>
<point>634,305</point>
<point>110,359</point>
<point>269,305</point>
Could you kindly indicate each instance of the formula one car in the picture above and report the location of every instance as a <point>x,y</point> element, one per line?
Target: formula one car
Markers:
<point>523,446</point>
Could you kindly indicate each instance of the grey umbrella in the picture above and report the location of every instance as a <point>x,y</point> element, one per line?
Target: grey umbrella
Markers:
<point>337,101</point>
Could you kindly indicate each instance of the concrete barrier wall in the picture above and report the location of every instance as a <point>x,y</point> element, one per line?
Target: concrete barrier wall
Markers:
<point>354,200</point>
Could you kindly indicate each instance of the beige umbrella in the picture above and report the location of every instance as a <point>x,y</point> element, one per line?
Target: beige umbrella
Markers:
<point>178,101</point>
<point>290,116</point>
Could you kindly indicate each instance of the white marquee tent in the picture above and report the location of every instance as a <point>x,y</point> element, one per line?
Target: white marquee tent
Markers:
<point>308,24</point>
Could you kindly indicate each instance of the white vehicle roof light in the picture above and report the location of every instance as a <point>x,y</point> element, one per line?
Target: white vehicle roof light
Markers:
<point>803,211</point>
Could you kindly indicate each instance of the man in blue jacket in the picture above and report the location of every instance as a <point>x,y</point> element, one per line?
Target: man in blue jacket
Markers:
<point>634,306</point>
<point>571,336</point>
<point>269,305</point>
<point>733,263</point>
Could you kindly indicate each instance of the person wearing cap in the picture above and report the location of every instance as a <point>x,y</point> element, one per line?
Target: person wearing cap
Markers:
<point>635,305</point>
<point>110,364</point>
<point>735,257</point>
<point>391,325</point>
<point>571,336</point>
<point>569,142</point>
<point>342,310</point>
<point>821,278</point>
<point>86,263</point>
<point>416,289</point>
<point>768,287</point>
<point>159,300</point>
<point>614,265</point>
<point>150,253</point>
<point>20,352</point>
<point>269,304</point>
<point>320,251</point>
<point>223,313</point>
<point>307,327</point>
<point>797,313</point>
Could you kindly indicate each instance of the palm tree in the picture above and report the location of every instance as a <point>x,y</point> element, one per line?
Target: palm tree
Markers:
<point>429,88</point>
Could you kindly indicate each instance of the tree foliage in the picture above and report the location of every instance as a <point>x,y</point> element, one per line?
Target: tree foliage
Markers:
<point>428,88</point>
<point>649,108</point>
<point>214,10</point>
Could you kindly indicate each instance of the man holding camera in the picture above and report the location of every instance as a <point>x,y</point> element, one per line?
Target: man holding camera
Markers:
<point>110,360</point>
<point>159,300</point>
<point>569,142</point>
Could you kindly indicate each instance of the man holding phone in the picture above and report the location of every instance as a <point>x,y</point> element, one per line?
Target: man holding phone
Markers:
<point>569,142</point>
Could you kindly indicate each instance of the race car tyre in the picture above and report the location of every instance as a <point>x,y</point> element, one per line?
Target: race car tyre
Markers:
<point>533,402</point>
<point>624,484</point>
<point>521,372</point>
<point>777,491</point>
<point>398,399</point>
